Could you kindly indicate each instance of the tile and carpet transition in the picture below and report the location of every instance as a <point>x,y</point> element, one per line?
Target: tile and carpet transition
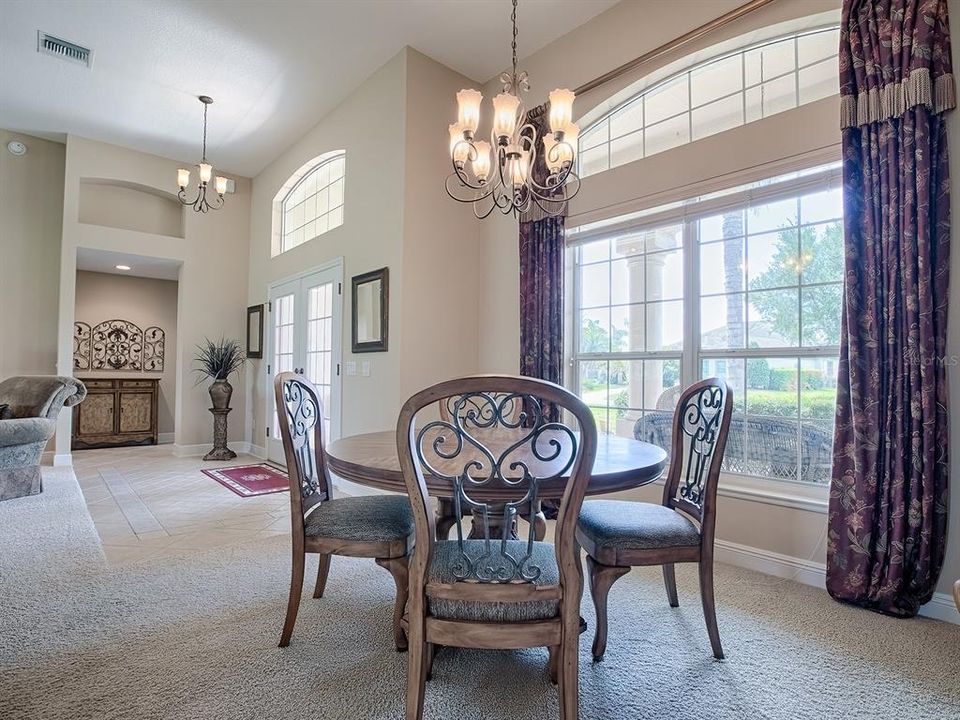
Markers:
<point>194,636</point>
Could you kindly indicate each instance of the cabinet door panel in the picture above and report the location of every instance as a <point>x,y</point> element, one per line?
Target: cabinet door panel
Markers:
<point>135,412</point>
<point>96,414</point>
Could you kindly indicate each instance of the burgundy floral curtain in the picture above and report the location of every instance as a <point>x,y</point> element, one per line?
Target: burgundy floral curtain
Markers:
<point>541,281</point>
<point>888,500</point>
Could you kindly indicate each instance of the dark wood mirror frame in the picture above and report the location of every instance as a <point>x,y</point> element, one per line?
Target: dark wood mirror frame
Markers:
<point>380,345</point>
<point>258,351</point>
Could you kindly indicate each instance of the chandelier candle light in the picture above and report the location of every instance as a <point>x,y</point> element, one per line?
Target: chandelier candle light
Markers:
<point>511,186</point>
<point>200,202</point>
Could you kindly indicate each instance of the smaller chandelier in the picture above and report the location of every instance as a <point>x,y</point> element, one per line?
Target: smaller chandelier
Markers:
<point>200,202</point>
<point>506,180</point>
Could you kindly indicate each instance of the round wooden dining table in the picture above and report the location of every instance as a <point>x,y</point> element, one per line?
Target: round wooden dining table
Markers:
<point>371,459</point>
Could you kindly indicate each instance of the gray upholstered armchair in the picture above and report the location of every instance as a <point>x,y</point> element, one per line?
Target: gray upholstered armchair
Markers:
<point>29,405</point>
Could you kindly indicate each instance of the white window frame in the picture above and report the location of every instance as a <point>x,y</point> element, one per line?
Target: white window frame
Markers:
<point>328,160</point>
<point>688,72</point>
<point>793,493</point>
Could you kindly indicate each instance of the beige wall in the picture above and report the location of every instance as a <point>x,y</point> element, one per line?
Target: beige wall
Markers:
<point>213,253</point>
<point>129,208</point>
<point>441,238</point>
<point>31,222</point>
<point>146,302</point>
<point>396,214</point>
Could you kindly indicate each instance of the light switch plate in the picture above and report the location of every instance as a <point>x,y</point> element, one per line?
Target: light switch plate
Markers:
<point>350,368</point>
<point>365,368</point>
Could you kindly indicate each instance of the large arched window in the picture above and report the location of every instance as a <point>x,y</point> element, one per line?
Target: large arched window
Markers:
<point>724,92</point>
<point>311,202</point>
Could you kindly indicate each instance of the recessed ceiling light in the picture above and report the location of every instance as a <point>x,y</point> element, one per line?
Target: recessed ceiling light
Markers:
<point>17,148</point>
<point>123,267</point>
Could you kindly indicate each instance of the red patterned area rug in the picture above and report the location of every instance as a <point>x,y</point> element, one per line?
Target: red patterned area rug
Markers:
<point>251,480</point>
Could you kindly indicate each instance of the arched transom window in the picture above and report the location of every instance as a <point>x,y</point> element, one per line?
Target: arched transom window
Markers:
<point>722,93</point>
<point>314,202</point>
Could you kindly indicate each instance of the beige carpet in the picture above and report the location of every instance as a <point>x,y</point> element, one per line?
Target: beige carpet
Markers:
<point>196,638</point>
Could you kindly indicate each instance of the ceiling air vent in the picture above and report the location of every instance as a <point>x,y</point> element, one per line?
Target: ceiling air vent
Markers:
<point>50,45</point>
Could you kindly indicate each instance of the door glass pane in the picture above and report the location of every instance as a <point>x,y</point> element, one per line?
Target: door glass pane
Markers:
<point>283,327</point>
<point>319,350</point>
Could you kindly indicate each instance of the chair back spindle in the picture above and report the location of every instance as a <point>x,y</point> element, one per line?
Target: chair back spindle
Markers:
<point>494,440</point>
<point>701,424</point>
<point>300,417</point>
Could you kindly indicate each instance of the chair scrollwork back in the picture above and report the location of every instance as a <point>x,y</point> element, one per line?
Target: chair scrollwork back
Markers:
<point>300,417</point>
<point>700,426</point>
<point>496,447</point>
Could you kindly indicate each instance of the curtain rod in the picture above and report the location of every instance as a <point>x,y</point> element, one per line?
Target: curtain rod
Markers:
<point>689,37</point>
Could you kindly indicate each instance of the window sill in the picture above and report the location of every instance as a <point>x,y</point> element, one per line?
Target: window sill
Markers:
<point>812,498</point>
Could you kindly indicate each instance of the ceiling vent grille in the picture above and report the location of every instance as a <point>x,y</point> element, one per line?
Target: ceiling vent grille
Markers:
<point>50,45</point>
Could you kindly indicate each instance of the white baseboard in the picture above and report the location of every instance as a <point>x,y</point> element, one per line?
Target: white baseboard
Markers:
<point>165,438</point>
<point>808,572</point>
<point>241,447</point>
<point>257,451</point>
<point>63,460</point>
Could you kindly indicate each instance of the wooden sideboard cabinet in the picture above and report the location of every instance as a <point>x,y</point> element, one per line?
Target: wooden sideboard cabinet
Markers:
<point>116,411</point>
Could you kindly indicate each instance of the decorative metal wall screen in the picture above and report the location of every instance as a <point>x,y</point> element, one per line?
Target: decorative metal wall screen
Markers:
<point>81,346</point>
<point>153,342</point>
<point>118,345</point>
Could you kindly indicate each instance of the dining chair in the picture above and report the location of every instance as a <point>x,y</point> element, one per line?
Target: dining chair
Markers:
<point>495,591</point>
<point>618,535</point>
<point>512,409</point>
<point>370,526</point>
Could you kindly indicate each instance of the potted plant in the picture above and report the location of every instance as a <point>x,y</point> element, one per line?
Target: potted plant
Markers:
<point>218,361</point>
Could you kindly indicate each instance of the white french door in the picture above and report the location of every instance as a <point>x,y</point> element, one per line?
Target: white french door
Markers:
<point>305,324</point>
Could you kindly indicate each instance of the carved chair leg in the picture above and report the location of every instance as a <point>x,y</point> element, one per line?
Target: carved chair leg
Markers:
<point>322,573</point>
<point>709,607</point>
<point>398,568</point>
<point>568,672</point>
<point>670,581</point>
<point>602,577</point>
<point>416,670</point>
<point>554,663</point>
<point>293,602</point>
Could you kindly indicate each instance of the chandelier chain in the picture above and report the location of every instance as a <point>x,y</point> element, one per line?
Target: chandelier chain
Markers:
<point>513,44</point>
<point>203,153</point>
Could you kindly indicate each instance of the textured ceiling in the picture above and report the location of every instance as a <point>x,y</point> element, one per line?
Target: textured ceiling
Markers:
<point>273,68</point>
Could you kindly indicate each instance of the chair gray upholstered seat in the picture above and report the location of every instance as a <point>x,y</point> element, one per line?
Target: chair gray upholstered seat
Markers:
<point>368,518</point>
<point>446,556</point>
<point>625,525</point>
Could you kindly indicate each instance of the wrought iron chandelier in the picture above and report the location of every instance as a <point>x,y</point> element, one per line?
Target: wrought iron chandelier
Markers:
<point>200,202</point>
<point>511,186</point>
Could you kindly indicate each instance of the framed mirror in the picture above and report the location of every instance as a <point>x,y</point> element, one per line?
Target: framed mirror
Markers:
<point>369,303</point>
<point>255,331</point>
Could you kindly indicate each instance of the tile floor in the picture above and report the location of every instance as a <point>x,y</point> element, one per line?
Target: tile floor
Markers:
<point>147,504</point>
